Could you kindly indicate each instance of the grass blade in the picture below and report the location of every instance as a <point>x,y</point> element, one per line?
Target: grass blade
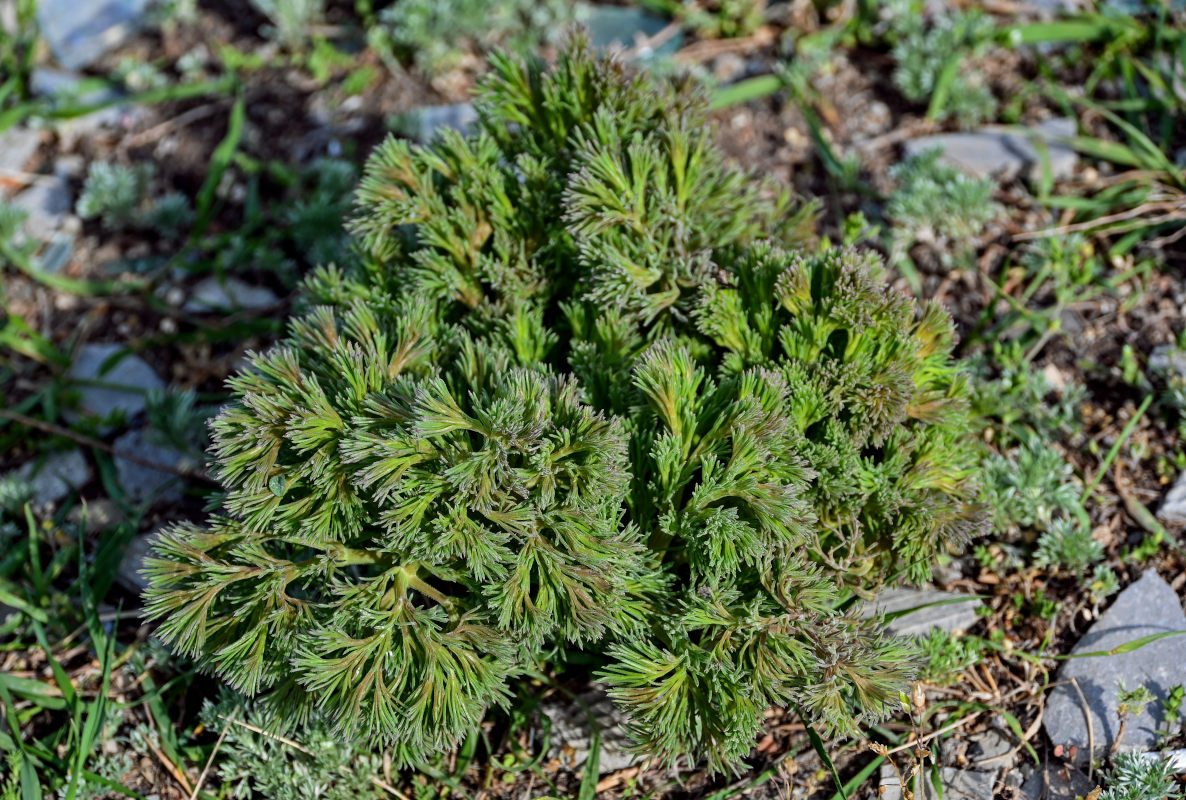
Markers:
<point>943,86</point>
<point>817,744</point>
<point>220,161</point>
<point>947,602</point>
<point>1067,31</point>
<point>858,780</point>
<point>746,90</point>
<point>1127,647</point>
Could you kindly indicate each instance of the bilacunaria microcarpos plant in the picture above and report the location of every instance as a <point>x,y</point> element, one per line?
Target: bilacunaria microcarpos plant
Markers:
<point>589,387</point>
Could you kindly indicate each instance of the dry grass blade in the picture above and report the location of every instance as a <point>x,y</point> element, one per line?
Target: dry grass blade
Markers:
<point>213,754</point>
<point>1090,727</point>
<point>172,768</point>
<point>959,723</point>
<point>90,441</point>
<point>1165,211</point>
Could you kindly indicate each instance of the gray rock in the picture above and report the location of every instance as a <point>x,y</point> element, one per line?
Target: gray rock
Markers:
<point>66,88</point>
<point>1012,781</point>
<point>967,784</point>
<point>958,784</point>
<point>944,573</point>
<point>1147,607</point>
<point>228,294</point>
<point>424,124</point>
<point>571,727</point>
<point>1134,8</point>
<point>56,477</point>
<point>729,67</point>
<point>950,616</point>
<point>129,575</point>
<point>1051,782</point>
<point>96,515</point>
<point>70,166</point>
<point>1177,759</point>
<point>991,749</point>
<point>890,787</point>
<point>1055,7</point>
<point>119,389</point>
<point>80,31</point>
<point>57,253</point>
<point>1004,153</point>
<point>48,202</point>
<point>1168,360</point>
<point>624,27</point>
<point>18,145</point>
<point>1172,510</point>
<point>143,483</point>
<point>116,118</point>
<point>988,745</point>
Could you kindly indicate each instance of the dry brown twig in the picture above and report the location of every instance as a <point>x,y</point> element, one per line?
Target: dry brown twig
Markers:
<point>213,753</point>
<point>612,781</point>
<point>1175,210</point>
<point>711,48</point>
<point>1090,727</point>
<point>959,723</point>
<point>172,768</point>
<point>90,441</point>
<point>159,130</point>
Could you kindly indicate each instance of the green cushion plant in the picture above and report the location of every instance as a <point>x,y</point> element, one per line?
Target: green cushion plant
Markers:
<point>589,387</point>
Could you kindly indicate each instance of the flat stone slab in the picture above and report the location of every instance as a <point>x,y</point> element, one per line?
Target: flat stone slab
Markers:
<point>57,253</point>
<point>228,294</point>
<point>1147,607</point>
<point>958,784</point>
<point>1177,759</point>
<point>571,728</point>
<point>1168,360</point>
<point>119,389</point>
<point>57,476</point>
<point>988,750</point>
<point>129,574</point>
<point>934,608</point>
<point>1172,510</point>
<point>48,202</point>
<point>622,28</point>
<point>18,145</point>
<point>66,88</point>
<point>95,515</point>
<point>1004,153</point>
<point>426,123</point>
<point>80,31</point>
<point>1054,782</point>
<point>144,483</point>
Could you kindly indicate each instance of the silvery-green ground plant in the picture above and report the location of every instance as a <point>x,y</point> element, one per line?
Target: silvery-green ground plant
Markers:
<point>1140,776</point>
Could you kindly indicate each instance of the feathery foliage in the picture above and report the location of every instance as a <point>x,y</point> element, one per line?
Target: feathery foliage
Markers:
<point>440,35</point>
<point>1068,543</point>
<point>1140,776</point>
<point>1031,488</point>
<point>935,202</point>
<point>252,764</point>
<point>589,386</point>
<point>944,50</point>
<point>118,195</point>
